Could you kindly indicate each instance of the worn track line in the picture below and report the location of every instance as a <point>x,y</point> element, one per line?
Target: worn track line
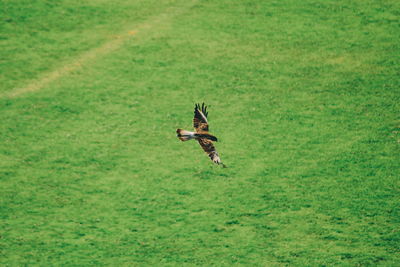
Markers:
<point>106,48</point>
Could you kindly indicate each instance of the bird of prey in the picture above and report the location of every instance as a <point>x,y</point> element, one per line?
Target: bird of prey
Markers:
<point>202,135</point>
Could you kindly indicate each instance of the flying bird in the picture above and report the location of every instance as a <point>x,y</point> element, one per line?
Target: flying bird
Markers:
<point>201,134</point>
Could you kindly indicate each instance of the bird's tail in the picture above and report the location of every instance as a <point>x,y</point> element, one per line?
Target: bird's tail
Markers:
<point>184,135</point>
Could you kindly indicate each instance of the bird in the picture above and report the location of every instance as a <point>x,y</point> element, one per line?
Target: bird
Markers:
<point>205,139</point>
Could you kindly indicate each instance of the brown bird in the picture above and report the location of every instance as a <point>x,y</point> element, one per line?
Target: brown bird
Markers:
<point>202,135</point>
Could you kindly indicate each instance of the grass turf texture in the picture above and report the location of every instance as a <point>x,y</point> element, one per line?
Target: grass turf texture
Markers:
<point>302,94</point>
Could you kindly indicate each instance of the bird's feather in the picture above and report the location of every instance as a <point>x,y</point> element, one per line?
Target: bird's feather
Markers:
<point>200,122</point>
<point>209,148</point>
<point>205,139</point>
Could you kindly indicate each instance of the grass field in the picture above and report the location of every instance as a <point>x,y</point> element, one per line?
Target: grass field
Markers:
<point>303,96</point>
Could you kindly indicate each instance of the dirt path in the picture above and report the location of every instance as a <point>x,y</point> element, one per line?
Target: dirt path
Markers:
<point>108,47</point>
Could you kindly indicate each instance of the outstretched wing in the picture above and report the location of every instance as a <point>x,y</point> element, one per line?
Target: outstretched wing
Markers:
<point>209,148</point>
<point>200,122</point>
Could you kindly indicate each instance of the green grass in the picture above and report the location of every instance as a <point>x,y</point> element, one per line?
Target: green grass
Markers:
<point>303,96</point>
